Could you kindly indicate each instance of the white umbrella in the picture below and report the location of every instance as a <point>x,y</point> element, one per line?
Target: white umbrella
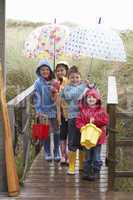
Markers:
<point>96,42</point>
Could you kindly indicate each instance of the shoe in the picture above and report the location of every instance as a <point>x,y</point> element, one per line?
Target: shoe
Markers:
<point>63,161</point>
<point>56,147</point>
<point>85,177</point>
<point>67,162</point>
<point>88,178</point>
<point>70,172</point>
<point>48,158</point>
<point>57,157</point>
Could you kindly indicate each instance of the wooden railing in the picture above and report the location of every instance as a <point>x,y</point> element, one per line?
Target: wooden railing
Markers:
<point>112,101</point>
<point>20,113</point>
<point>126,139</point>
<point>117,139</point>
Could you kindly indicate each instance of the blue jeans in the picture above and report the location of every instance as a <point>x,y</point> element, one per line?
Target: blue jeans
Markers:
<point>92,160</point>
<point>53,128</point>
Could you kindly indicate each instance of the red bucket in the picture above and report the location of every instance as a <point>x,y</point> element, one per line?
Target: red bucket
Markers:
<point>40,131</point>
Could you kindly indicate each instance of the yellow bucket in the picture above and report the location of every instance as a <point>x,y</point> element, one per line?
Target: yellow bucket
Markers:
<point>89,135</point>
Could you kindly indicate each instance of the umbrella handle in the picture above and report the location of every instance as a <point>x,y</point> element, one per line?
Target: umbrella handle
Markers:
<point>99,20</point>
<point>54,45</point>
<point>90,65</point>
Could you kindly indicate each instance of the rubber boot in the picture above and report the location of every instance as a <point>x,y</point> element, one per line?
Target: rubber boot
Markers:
<point>88,171</point>
<point>56,147</point>
<point>97,168</point>
<point>47,150</point>
<point>72,160</point>
<point>81,159</point>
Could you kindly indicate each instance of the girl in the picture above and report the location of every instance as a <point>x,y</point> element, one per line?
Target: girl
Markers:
<point>71,94</point>
<point>61,71</point>
<point>45,105</point>
<point>92,112</point>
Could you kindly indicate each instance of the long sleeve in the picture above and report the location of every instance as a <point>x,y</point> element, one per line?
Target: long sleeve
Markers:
<point>37,98</point>
<point>81,120</point>
<point>101,118</point>
<point>43,99</point>
<point>73,92</point>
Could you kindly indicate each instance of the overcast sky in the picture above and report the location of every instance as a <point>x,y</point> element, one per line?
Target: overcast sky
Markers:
<point>116,14</point>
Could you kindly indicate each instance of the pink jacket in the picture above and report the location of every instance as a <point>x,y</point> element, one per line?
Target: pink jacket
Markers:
<point>98,113</point>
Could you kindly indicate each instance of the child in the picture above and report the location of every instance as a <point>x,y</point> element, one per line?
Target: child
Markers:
<point>92,112</point>
<point>71,93</point>
<point>61,71</point>
<point>45,105</point>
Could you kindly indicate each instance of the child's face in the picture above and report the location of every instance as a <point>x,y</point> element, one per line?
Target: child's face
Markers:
<point>60,72</point>
<point>45,72</point>
<point>91,101</point>
<point>74,78</point>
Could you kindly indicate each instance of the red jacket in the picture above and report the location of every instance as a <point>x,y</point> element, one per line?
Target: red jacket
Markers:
<point>100,119</point>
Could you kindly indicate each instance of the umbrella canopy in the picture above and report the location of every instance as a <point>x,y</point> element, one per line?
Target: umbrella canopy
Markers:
<point>96,42</point>
<point>46,41</point>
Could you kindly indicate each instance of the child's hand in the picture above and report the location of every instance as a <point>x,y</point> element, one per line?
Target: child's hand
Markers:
<point>92,120</point>
<point>87,82</point>
<point>55,85</point>
<point>38,115</point>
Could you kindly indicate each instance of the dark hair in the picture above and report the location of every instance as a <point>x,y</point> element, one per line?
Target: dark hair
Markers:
<point>73,69</point>
<point>51,76</point>
<point>62,65</point>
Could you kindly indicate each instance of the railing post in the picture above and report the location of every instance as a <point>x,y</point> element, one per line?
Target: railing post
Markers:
<point>12,120</point>
<point>25,136</point>
<point>3,184</point>
<point>112,101</point>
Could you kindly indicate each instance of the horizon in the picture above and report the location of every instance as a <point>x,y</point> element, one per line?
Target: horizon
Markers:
<point>114,14</point>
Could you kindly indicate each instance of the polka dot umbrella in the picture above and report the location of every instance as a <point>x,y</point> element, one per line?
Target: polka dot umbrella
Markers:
<point>96,42</point>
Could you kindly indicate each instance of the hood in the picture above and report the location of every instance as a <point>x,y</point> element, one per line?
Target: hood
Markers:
<point>93,92</point>
<point>41,63</point>
<point>90,92</point>
<point>65,63</point>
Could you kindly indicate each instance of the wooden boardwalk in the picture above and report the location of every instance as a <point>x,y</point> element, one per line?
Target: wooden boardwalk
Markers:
<point>50,181</point>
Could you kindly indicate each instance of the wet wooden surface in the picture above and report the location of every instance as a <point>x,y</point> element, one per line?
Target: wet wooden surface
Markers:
<point>50,181</point>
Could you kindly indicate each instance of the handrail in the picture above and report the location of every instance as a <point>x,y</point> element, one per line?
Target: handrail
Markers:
<point>112,101</point>
<point>19,98</point>
<point>20,113</point>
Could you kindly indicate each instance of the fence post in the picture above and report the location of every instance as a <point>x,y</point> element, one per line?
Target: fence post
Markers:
<point>3,184</point>
<point>112,101</point>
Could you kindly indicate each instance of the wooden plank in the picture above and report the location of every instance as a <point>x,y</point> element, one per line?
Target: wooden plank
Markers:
<point>128,174</point>
<point>112,101</point>
<point>124,143</point>
<point>111,108</point>
<point>125,115</point>
<point>43,175</point>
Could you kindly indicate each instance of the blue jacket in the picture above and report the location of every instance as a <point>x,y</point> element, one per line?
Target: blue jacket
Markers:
<point>71,93</point>
<point>43,101</point>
